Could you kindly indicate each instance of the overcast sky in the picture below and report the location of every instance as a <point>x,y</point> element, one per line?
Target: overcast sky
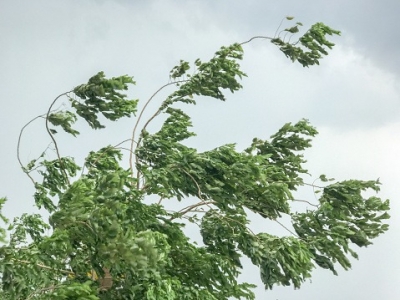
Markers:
<point>353,97</point>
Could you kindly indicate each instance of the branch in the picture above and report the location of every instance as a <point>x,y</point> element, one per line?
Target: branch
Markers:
<point>313,185</point>
<point>115,147</point>
<point>197,185</point>
<point>280,24</point>
<point>286,228</point>
<point>305,201</point>
<point>240,224</point>
<point>190,207</point>
<point>147,123</point>
<point>52,287</point>
<point>262,214</point>
<point>52,137</point>
<point>256,37</point>
<point>140,117</point>
<point>44,267</point>
<point>19,144</point>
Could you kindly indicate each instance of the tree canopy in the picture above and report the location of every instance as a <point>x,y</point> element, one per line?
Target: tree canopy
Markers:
<point>106,239</point>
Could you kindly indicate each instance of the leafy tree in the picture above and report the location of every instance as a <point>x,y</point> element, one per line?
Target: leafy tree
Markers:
<point>106,239</point>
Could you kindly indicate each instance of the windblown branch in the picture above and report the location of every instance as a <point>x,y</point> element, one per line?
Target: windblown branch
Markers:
<point>19,144</point>
<point>67,272</point>
<point>305,201</point>
<point>52,287</point>
<point>256,37</point>
<point>189,208</point>
<point>286,228</point>
<point>52,137</point>
<point>144,127</point>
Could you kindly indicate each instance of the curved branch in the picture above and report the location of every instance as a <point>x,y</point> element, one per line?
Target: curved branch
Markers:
<point>147,123</point>
<point>20,138</point>
<point>280,24</point>
<point>19,144</point>
<point>140,117</point>
<point>197,185</point>
<point>52,137</point>
<point>256,37</point>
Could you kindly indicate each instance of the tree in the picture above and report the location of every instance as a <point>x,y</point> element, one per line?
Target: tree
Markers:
<point>106,240</point>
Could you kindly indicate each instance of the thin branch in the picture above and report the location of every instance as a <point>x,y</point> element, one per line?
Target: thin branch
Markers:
<point>305,201</point>
<point>213,202</point>
<point>120,143</point>
<point>115,147</point>
<point>204,202</point>
<point>286,228</point>
<point>44,266</point>
<point>123,148</point>
<point>87,225</point>
<point>240,224</point>
<point>52,287</point>
<point>313,185</point>
<point>19,144</point>
<point>264,215</point>
<point>147,123</point>
<point>139,118</point>
<point>256,37</point>
<point>190,207</point>
<point>52,137</point>
<point>197,185</point>
<point>20,137</point>
<point>280,24</point>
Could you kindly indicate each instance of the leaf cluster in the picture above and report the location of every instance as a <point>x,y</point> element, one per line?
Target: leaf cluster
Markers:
<point>313,44</point>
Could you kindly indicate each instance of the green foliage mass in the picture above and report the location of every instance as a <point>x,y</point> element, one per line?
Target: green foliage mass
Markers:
<point>102,225</point>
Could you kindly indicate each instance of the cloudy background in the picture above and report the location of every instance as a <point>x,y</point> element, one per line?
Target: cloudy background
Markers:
<point>353,97</point>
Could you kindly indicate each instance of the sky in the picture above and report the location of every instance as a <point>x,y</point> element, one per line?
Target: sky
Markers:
<point>353,97</point>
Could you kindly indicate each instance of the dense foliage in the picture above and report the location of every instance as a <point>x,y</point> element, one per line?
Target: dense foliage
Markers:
<point>106,240</point>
